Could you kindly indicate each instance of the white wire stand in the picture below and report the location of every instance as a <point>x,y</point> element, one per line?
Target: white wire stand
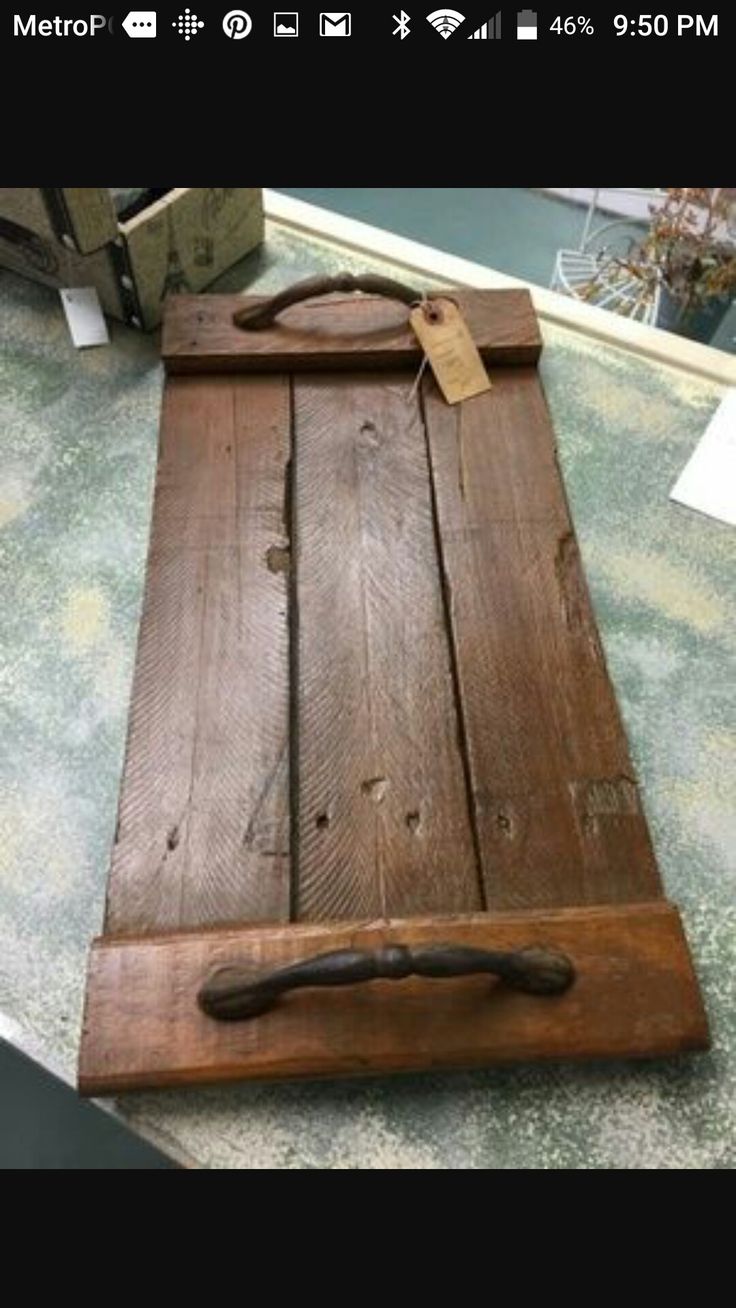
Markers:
<point>595,272</point>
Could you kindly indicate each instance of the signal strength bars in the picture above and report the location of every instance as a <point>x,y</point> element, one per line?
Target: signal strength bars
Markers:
<point>489,31</point>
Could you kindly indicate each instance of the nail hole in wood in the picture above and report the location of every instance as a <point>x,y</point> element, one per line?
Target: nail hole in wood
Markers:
<point>369,438</point>
<point>277,558</point>
<point>375,788</point>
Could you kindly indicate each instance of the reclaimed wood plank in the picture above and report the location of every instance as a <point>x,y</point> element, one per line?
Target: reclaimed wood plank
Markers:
<point>635,994</point>
<point>336,333</point>
<point>203,824</point>
<point>383,821</point>
<point>557,806</point>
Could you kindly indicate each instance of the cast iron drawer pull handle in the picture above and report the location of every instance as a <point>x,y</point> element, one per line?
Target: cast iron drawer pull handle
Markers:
<point>232,993</point>
<point>263,315</point>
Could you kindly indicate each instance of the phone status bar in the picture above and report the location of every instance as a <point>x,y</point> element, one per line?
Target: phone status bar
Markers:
<point>447,27</point>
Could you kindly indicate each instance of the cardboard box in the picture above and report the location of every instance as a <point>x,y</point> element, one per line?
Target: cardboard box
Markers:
<point>180,242</point>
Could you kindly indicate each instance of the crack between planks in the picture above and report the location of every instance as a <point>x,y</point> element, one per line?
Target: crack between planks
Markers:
<point>292,608</point>
<point>249,835</point>
<point>446,591</point>
<point>237,507</point>
<point>460,454</point>
<point>369,681</point>
<point>195,744</point>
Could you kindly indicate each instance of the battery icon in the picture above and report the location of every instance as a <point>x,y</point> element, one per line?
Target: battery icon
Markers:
<point>526,25</point>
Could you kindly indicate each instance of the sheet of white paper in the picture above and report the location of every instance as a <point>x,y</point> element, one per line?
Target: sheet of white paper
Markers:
<point>708,481</point>
<point>84,316</point>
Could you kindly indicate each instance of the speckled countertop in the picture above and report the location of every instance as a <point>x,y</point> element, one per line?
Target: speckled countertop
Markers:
<point>78,438</point>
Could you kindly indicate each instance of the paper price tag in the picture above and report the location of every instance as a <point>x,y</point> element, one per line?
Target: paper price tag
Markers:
<point>450,349</point>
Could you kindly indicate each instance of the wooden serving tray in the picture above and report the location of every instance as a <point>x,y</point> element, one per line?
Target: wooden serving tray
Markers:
<point>370,710</point>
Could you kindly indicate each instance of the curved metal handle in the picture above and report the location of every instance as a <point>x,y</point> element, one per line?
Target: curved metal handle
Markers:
<point>232,994</point>
<point>263,315</point>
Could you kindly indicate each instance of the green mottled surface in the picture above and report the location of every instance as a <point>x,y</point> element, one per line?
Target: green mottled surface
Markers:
<point>78,439</point>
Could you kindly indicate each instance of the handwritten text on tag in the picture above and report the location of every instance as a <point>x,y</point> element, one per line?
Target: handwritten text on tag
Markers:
<point>450,349</point>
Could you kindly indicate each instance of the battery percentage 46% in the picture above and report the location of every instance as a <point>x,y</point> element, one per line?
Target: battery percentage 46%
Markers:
<point>572,26</point>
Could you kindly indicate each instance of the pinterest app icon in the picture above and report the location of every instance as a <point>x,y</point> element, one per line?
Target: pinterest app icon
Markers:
<point>236,24</point>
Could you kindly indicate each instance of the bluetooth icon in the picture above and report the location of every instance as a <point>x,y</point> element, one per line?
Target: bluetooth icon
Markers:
<point>403,21</point>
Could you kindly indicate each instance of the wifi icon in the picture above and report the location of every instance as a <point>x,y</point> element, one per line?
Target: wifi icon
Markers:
<point>445,21</point>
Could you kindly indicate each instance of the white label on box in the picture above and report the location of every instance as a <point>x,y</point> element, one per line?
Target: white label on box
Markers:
<point>84,316</point>
<point>708,481</point>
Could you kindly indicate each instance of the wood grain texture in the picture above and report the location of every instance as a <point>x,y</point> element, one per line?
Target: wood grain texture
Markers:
<point>383,822</point>
<point>556,801</point>
<point>635,995</point>
<point>203,828</point>
<point>337,333</point>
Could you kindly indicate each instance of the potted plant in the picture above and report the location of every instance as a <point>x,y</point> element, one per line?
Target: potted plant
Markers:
<point>688,255</point>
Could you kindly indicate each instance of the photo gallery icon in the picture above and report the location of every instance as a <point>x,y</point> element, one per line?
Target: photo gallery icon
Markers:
<point>286,24</point>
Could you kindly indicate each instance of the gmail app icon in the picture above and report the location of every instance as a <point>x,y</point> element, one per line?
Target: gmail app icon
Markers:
<point>334,24</point>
